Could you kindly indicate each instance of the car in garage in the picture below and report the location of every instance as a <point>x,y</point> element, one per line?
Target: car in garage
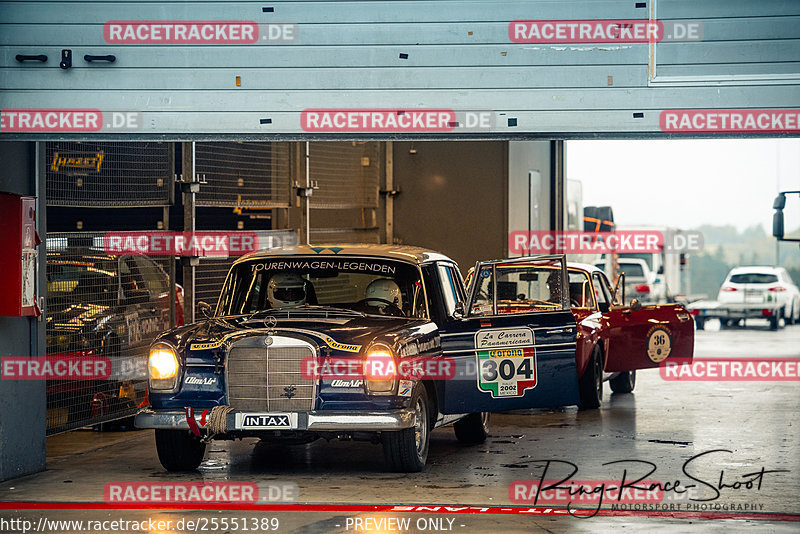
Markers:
<point>613,339</point>
<point>103,305</point>
<point>508,344</point>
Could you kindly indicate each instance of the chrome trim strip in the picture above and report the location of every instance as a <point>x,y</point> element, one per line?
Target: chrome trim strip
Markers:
<point>341,420</point>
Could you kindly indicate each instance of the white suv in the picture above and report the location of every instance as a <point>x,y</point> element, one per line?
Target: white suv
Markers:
<point>766,292</point>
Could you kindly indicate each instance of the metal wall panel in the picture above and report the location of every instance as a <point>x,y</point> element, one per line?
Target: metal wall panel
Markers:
<point>448,54</point>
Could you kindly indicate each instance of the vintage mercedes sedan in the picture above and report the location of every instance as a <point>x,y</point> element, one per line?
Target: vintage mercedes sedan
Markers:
<point>372,342</point>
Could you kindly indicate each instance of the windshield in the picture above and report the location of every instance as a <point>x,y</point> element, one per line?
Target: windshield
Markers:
<point>84,282</point>
<point>754,278</point>
<point>648,259</point>
<point>368,285</point>
<point>522,287</point>
<point>631,270</point>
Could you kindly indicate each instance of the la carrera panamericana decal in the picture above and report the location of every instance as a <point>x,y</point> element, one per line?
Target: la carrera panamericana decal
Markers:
<point>659,343</point>
<point>506,360</point>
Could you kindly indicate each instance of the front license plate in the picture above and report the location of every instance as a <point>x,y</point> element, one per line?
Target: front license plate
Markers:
<point>266,421</point>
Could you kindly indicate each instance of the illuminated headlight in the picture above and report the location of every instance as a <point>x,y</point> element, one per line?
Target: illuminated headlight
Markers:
<point>162,367</point>
<point>380,370</point>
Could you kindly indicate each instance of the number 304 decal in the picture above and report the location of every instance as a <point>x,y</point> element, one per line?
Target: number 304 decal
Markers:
<point>506,371</point>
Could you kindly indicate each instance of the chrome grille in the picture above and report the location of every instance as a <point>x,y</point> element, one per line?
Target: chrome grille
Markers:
<point>259,377</point>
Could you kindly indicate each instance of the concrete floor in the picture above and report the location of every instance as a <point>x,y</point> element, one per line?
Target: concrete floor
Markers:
<point>663,422</point>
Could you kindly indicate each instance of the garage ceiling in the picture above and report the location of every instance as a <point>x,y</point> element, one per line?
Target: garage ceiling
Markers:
<point>456,56</point>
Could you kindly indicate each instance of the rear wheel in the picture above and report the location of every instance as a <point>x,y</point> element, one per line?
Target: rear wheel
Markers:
<point>179,450</point>
<point>590,385</point>
<point>474,428</point>
<point>773,322</point>
<point>406,451</point>
<point>623,382</point>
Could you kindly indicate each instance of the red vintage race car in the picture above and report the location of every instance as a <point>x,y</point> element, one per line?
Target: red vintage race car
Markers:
<point>613,340</point>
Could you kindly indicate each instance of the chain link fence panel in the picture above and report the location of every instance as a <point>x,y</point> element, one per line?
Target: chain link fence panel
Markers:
<point>102,305</point>
<point>243,175</point>
<point>108,174</point>
<point>347,174</point>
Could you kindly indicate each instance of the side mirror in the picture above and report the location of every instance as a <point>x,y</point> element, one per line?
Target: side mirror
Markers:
<point>777,223</point>
<point>660,269</point>
<point>205,309</point>
<point>636,305</point>
<point>780,202</point>
<point>459,310</point>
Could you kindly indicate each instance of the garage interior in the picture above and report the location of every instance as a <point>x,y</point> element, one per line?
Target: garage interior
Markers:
<point>459,194</point>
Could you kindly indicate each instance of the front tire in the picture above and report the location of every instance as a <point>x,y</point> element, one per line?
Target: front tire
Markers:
<point>623,382</point>
<point>590,384</point>
<point>472,429</point>
<point>406,450</point>
<point>179,450</point>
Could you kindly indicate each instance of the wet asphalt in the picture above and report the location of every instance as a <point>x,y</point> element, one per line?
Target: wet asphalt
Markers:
<point>713,434</point>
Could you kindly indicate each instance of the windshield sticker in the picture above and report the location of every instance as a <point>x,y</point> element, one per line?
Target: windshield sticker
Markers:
<point>341,346</point>
<point>339,265</point>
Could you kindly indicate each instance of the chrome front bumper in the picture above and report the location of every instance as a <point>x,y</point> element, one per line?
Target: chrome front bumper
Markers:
<point>338,420</point>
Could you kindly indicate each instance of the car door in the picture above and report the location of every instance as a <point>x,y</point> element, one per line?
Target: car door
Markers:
<point>514,347</point>
<point>643,338</point>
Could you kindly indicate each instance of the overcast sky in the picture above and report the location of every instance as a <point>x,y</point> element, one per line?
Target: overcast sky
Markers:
<point>686,183</point>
